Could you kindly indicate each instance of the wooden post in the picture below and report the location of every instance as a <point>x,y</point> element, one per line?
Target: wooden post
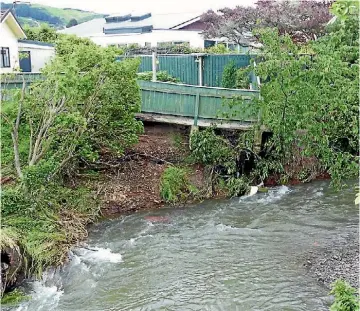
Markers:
<point>196,112</point>
<point>154,66</point>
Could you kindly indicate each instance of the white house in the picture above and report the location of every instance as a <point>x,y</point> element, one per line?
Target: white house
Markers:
<point>17,53</point>
<point>143,29</point>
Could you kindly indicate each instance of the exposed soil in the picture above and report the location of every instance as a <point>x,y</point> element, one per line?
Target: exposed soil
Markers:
<point>134,183</point>
<point>339,260</point>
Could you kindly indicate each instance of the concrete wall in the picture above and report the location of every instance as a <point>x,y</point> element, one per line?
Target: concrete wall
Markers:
<point>40,54</point>
<point>9,40</point>
<point>156,36</point>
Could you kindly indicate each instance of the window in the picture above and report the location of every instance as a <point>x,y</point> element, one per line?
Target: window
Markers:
<point>5,58</point>
<point>148,44</point>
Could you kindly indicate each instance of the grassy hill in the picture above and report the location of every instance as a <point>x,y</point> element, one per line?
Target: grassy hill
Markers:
<point>36,14</point>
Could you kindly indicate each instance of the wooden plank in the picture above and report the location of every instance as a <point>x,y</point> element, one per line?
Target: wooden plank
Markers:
<point>160,118</point>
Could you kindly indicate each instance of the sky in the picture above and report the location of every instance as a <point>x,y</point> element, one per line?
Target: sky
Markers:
<point>153,6</point>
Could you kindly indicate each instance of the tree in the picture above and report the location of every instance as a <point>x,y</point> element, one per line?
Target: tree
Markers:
<point>302,20</point>
<point>44,33</point>
<point>86,103</point>
<point>311,101</point>
<point>71,23</point>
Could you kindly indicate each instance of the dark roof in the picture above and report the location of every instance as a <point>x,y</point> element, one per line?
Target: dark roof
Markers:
<point>3,14</point>
<point>36,42</point>
<point>158,21</point>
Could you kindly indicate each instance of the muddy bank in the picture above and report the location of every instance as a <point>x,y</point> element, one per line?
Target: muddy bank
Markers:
<point>338,260</point>
<point>133,182</point>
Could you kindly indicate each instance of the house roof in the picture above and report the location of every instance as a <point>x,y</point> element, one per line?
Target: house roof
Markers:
<point>14,23</point>
<point>158,21</point>
<point>3,14</point>
<point>33,42</point>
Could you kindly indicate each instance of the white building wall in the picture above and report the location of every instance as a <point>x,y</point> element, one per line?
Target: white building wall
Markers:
<point>8,40</point>
<point>40,55</point>
<point>156,36</point>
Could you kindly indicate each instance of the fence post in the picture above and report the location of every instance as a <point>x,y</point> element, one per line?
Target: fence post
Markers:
<point>154,66</point>
<point>196,112</point>
<point>200,70</point>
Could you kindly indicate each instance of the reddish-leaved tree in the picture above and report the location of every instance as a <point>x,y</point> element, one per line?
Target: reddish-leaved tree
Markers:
<point>302,20</point>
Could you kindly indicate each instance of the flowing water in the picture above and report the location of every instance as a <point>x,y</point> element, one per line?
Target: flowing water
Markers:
<point>239,254</point>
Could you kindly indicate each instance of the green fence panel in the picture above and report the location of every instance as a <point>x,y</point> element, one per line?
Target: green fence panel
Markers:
<point>183,67</point>
<point>186,67</point>
<point>214,66</point>
<point>197,102</point>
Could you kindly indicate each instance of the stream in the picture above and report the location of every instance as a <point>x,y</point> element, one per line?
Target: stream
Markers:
<point>241,254</point>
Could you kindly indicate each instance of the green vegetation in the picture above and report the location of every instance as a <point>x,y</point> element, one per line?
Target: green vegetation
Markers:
<point>310,103</point>
<point>43,33</point>
<point>175,186</point>
<point>36,14</point>
<point>71,23</point>
<point>346,298</point>
<point>86,104</point>
<point>229,76</point>
<point>162,76</point>
<point>13,298</point>
<point>243,77</point>
<point>218,49</point>
<point>224,161</point>
<point>236,78</point>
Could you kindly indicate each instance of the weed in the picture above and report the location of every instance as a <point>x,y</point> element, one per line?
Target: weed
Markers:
<point>175,186</point>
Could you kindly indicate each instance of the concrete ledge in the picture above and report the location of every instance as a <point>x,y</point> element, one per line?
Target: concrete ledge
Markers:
<point>224,124</point>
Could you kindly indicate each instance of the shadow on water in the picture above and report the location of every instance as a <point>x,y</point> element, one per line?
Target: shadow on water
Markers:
<point>239,254</point>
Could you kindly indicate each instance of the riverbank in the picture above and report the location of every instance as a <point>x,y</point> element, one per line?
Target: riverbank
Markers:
<point>132,182</point>
<point>337,260</point>
<point>236,253</point>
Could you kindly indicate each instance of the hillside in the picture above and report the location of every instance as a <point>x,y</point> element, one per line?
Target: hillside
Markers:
<point>36,14</point>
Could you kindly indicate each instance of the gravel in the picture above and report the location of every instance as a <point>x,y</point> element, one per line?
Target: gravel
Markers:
<point>336,261</point>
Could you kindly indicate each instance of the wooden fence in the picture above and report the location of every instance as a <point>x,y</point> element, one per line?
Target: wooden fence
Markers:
<point>194,103</point>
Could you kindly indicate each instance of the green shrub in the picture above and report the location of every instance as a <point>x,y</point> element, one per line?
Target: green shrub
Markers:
<point>218,49</point>
<point>209,149</point>
<point>345,297</point>
<point>236,186</point>
<point>243,78</point>
<point>175,185</point>
<point>162,76</point>
<point>229,76</point>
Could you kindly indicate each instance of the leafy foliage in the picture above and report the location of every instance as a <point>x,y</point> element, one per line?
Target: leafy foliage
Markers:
<point>243,78</point>
<point>43,33</point>
<point>224,159</point>
<point>303,20</point>
<point>311,101</point>
<point>162,76</point>
<point>175,185</point>
<point>210,149</point>
<point>345,297</point>
<point>218,49</point>
<point>229,76</point>
<point>85,104</point>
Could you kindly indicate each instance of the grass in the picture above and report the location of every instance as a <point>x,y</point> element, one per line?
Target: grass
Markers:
<point>68,14</point>
<point>175,186</point>
<point>13,298</point>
